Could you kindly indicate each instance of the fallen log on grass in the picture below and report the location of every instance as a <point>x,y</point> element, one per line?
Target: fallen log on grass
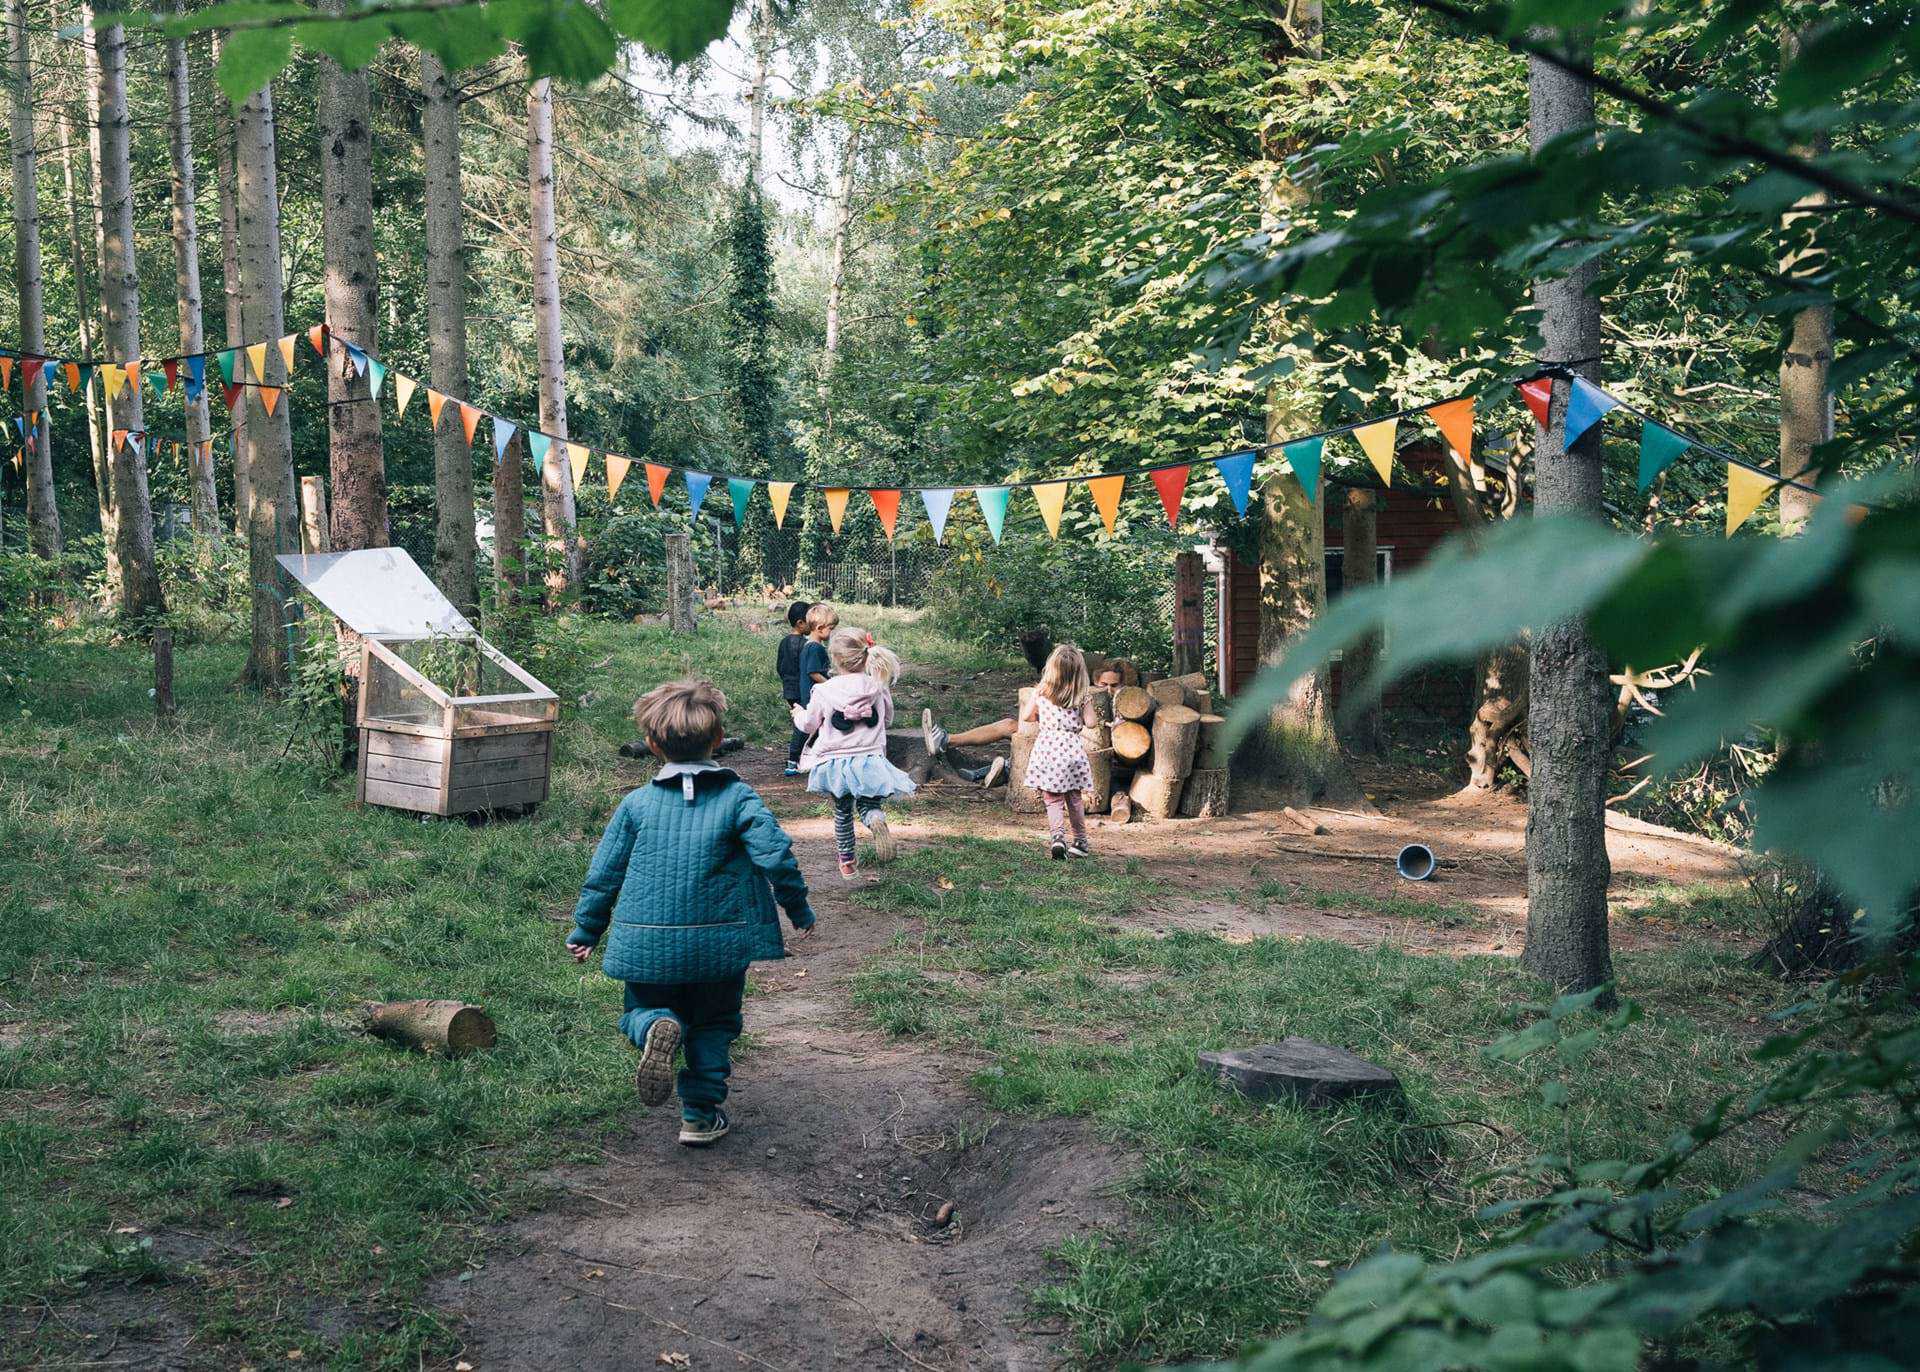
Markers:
<point>448,1027</point>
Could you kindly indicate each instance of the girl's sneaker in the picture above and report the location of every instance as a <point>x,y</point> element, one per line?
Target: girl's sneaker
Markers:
<point>653,1079</point>
<point>702,1128</point>
<point>1059,849</point>
<point>849,869</point>
<point>1078,848</point>
<point>883,844</point>
<point>793,770</point>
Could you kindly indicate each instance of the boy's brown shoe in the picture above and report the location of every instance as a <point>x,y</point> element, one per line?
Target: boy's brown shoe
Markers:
<point>653,1079</point>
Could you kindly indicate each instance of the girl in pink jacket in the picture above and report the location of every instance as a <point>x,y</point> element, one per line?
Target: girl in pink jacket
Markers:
<point>849,715</point>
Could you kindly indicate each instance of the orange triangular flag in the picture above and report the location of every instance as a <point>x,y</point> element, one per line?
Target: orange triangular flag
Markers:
<point>73,376</point>
<point>6,371</point>
<point>436,402</point>
<point>617,472</point>
<point>1377,441</point>
<point>469,421</point>
<point>577,454</point>
<point>1106,497</point>
<point>777,493</point>
<point>286,351</point>
<point>133,375</point>
<point>257,355</point>
<point>886,504</point>
<point>317,336</point>
<point>657,482</point>
<point>119,439</point>
<point>1051,497</point>
<point>1455,420</point>
<point>270,397</point>
<point>836,505</point>
<point>403,388</point>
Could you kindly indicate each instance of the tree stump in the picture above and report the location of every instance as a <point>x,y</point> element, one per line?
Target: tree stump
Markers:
<point>1132,702</point>
<point>1131,741</point>
<point>1176,732</point>
<point>1302,1071</point>
<point>1156,795</point>
<point>1121,806</point>
<point>1205,796</point>
<point>450,1027</point>
<point>1098,798</point>
<point>1021,796</point>
<point>1209,751</point>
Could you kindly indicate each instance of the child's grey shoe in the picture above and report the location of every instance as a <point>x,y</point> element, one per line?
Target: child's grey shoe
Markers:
<point>883,845</point>
<point>704,1129</point>
<point>653,1079</point>
<point>1078,849</point>
<point>996,771</point>
<point>934,736</point>
<point>1058,849</point>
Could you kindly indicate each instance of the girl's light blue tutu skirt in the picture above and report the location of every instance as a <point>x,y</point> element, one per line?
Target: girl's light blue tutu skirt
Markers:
<point>867,777</point>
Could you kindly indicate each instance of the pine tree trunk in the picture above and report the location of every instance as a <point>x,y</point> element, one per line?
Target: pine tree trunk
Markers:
<point>205,499</point>
<point>1569,716</point>
<point>272,517</point>
<point>227,175</point>
<point>357,459</point>
<point>43,508</point>
<point>556,473</point>
<point>145,604</point>
<point>1806,397</point>
<point>86,252</point>
<point>1359,554</point>
<point>453,544</point>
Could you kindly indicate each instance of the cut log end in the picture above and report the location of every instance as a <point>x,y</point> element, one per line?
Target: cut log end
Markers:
<point>448,1027</point>
<point>1131,740</point>
<point>1132,703</point>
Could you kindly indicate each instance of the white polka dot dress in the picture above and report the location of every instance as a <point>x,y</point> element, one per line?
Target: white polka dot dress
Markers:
<point>1058,762</point>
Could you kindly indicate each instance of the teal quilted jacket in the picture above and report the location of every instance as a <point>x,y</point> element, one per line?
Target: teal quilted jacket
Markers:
<point>687,875</point>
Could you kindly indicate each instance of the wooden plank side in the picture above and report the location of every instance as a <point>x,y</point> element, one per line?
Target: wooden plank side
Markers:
<point>414,771</point>
<point>544,726</point>
<point>468,798</point>
<point>489,746</point>
<point>496,770</point>
<point>397,795</point>
<point>394,744</point>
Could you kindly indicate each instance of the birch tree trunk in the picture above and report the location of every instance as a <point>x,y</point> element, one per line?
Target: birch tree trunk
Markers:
<point>145,605</point>
<point>228,178</point>
<point>357,459</point>
<point>43,508</point>
<point>757,92</point>
<point>205,503</point>
<point>88,258</point>
<point>453,543</point>
<point>837,262</point>
<point>273,512</point>
<point>556,473</point>
<point>1569,714</point>
<point>1806,397</point>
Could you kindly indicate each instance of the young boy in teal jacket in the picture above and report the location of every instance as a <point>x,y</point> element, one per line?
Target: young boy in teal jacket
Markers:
<point>688,874</point>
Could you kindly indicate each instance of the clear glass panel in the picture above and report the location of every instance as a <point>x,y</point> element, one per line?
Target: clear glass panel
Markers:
<point>392,699</point>
<point>454,663</point>
<point>503,712</point>
<point>380,592</point>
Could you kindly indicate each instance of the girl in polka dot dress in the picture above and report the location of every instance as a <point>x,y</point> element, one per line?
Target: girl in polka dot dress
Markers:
<point>1057,767</point>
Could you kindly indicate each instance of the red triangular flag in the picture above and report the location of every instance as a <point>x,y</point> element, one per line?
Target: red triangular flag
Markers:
<point>1538,393</point>
<point>233,394</point>
<point>1171,482</point>
<point>171,367</point>
<point>317,336</point>
<point>886,504</point>
<point>30,371</point>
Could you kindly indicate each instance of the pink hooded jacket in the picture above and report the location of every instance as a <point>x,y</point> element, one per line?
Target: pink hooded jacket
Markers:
<point>862,702</point>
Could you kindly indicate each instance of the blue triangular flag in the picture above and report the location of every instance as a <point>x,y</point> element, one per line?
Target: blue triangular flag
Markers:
<point>539,445</point>
<point>1237,472</point>
<point>697,483</point>
<point>993,504</point>
<point>357,356</point>
<point>1304,457</point>
<point>1659,445</point>
<point>938,502</point>
<point>376,376</point>
<point>196,377</point>
<point>742,491</point>
<point>503,432</point>
<point>1586,402</point>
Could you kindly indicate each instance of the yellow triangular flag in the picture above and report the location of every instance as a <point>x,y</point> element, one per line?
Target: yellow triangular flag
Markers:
<point>286,351</point>
<point>403,388</point>
<point>1106,497</point>
<point>257,355</point>
<point>578,453</point>
<point>1747,491</point>
<point>1051,497</point>
<point>777,492</point>
<point>1377,442</point>
<point>616,473</point>
<point>113,378</point>
<point>836,505</point>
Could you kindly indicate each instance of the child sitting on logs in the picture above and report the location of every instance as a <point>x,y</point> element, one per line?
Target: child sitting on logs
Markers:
<point>688,874</point>
<point>847,758</point>
<point>1057,767</point>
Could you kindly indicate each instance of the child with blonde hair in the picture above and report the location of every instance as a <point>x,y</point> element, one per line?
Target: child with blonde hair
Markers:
<point>849,715</point>
<point>1058,768</point>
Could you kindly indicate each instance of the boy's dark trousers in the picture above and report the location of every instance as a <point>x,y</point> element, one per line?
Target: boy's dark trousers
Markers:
<point>798,741</point>
<point>709,1015</point>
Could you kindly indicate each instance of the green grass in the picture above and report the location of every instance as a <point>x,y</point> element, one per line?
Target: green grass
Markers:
<point>1722,907</point>
<point>1445,914</point>
<point>188,925</point>
<point>1243,1212</point>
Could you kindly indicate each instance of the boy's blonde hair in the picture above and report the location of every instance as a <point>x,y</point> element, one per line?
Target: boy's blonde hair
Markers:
<point>1064,679</point>
<point>822,615</point>
<point>681,719</point>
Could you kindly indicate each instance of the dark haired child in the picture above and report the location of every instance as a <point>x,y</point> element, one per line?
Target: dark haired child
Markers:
<point>687,876</point>
<point>793,682</point>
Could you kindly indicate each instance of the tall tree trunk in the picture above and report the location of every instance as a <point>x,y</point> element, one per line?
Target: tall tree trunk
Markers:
<point>556,473</point>
<point>87,257</point>
<point>357,458</point>
<point>273,511</point>
<point>186,271</point>
<point>1359,555</point>
<point>43,508</point>
<point>453,547</point>
<point>837,260</point>
<point>1806,398</point>
<point>227,178</point>
<point>1569,714</point>
<point>757,92</point>
<point>146,605</point>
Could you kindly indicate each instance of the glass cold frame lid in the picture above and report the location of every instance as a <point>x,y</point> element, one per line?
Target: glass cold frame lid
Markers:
<point>378,592</point>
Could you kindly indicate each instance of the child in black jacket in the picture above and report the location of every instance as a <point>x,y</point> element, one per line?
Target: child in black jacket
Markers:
<point>793,682</point>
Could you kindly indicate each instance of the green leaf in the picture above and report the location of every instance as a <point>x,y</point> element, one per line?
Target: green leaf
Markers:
<point>460,37</point>
<point>1837,59</point>
<point>562,38</point>
<point>250,59</point>
<point>678,30</point>
<point>351,42</point>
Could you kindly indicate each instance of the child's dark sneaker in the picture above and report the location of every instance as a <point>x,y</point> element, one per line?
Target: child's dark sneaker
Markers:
<point>653,1079</point>
<point>793,770</point>
<point>1077,849</point>
<point>701,1128</point>
<point>883,844</point>
<point>1059,849</point>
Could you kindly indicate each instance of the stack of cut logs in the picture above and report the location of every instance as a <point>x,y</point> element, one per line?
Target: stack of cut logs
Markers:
<point>1155,748</point>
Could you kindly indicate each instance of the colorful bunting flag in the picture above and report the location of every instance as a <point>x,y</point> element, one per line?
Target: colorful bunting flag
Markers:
<point>1171,482</point>
<point>1538,394</point>
<point>777,493</point>
<point>233,394</point>
<point>403,389</point>
<point>616,473</point>
<point>1585,405</point>
<point>376,377</point>
<point>657,482</point>
<point>993,504</point>
<point>317,336</point>
<point>1454,419</point>
<point>257,356</point>
<point>697,484</point>
<point>469,421</point>
<point>30,368</point>
<point>539,445</point>
<point>937,504</point>
<point>1303,455</point>
<point>503,432</point>
<point>886,504</point>
<point>435,403</point>
<point>286,351</point>
<point>133,376</point>
<point>270,397</point>
<point>170,371</point>
<point>1105,491</point>
<point>1051,497</point>
<point>356,358</point>
<point>836,505</point>
<point>6,371</point>
<point>741,491</point>
<point>1237,472</point>
<point>73,378</point>
<point>1659,446</point>
<point>1747,491</point>
<point>196,377</point>
<point>114,379</point>
<point>228,361</point>
<point>118,437</point>
<point>577,455</point>
<point>1378,442</point>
